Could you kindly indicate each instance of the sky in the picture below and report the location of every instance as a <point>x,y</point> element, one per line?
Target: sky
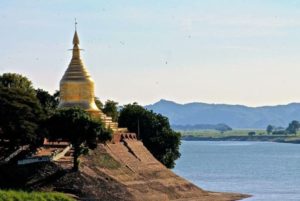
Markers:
<point>217,51</point>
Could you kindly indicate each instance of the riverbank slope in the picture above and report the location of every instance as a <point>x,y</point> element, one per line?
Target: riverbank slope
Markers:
<point>113,172</point>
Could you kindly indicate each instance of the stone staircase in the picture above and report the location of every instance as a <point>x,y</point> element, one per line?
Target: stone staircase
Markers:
<point>109,123</point>
<point>118,134</point>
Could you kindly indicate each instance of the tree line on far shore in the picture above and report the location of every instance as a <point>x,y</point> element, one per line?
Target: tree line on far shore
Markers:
<point>221,127</point>
<point>292,129</point>
<point>28,115</point>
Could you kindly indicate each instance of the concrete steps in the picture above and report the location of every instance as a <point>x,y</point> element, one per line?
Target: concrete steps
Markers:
<point>108,122</point>
<point>122,130</point>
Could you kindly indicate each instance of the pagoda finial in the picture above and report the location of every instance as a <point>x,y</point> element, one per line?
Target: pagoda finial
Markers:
<point>75,25</point>
<point>75,38</point>
<point>76,49</point>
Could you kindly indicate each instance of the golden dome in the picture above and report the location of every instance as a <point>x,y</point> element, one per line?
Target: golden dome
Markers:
<point>77,86</point>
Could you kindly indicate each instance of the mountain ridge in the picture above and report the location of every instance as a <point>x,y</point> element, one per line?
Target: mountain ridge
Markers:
<point>236,116</point>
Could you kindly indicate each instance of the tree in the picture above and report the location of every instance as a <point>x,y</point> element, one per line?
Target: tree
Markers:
<point>270,129</point>
<point>111,110</point>
<point>20,115</point>
<point>14,80</point>
<point>251,133</point>
<point>222,128</point>
<point>74,125</point>
<point>48,102</point>
<point>98,103</point>
<point>279,132</point>
<point>56,95</point>
<point>293,127</point>
<point>20,111</point>
<point>154,130</point>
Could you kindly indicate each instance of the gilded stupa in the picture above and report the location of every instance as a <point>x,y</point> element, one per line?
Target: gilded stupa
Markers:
<point>76,86</point>
<point>77,89</point>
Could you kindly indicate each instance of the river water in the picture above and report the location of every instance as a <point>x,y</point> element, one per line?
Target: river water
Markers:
<point>268,171</point>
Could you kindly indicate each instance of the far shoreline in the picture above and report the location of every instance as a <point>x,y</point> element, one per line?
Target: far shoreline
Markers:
<point>279,139</point>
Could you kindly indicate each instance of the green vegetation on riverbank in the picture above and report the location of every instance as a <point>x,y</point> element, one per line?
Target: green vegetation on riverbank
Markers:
<point>238,135</point>
<point>12,195</point>
<point>216,134</point>
<point>29,115</point>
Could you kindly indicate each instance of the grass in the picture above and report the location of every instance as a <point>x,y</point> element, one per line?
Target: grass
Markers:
<point>13,195</point>
<point>106,161</point>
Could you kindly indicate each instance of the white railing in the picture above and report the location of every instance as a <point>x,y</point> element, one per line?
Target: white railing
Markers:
<point>54,157</point>
<point>15,153</point>
<point>62,153</point>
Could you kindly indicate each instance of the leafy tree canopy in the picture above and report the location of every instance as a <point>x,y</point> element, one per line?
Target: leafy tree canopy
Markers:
<point>293,127</point>
<point>110,109</point>
<point>270,129</point>
<point>14,80</point>
<point>74,125</point>
<point>154,130</point>
<point>20,115</point>
<point>98,103</point>
<point>223,128</point>
<point>48,102</point>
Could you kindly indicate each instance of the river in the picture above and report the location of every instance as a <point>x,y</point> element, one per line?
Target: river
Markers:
<point>269,171</point>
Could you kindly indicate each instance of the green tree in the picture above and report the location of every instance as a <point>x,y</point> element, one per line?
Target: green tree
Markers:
<point>14,80</point>
<point>222,128</point>
<point>293,127</point>
<point>20,110</point>
<point>98,103</point>
<point>20,115</point>
<point>110,109</point>
<point>154,130</point>
<point>56,95</point>
<point>48,102</point>
<point>270,129</point>
<point>74,125</point>
<point>251,133</point>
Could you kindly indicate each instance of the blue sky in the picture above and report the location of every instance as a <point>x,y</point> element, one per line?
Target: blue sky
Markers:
<point>216,51</point>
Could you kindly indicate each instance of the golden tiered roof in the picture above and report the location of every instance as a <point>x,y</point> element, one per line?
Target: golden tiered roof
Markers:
<point>77,89</point>
<point>77,86</point>
<point>76,69</point>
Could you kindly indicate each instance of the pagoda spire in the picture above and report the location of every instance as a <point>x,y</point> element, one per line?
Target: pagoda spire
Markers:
<point>75,38</point>
<point>76,85</point>
<point>76,49</point>
<point>76,69</point>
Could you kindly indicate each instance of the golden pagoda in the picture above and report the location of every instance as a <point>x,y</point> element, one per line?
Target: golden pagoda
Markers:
<point>77,86</point>
<point>77,89</point>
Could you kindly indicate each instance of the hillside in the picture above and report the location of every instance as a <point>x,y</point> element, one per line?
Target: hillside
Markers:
<point>113,172</point>
<point>235,116</point>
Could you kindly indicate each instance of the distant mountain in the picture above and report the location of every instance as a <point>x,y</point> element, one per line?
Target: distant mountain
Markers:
<point>235,116</point>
